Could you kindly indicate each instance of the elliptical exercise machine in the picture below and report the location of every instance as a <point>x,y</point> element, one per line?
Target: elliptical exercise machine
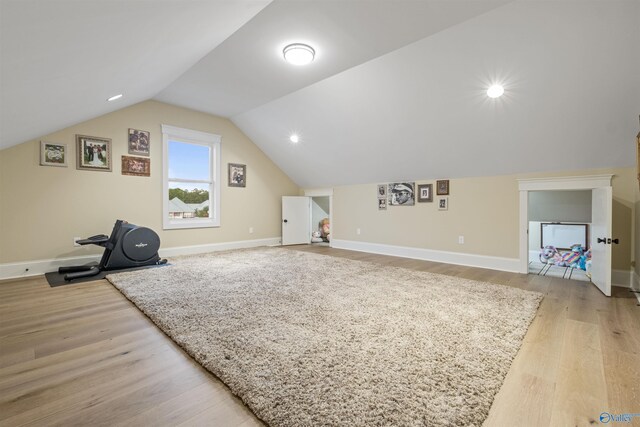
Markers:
<point>129,246</point>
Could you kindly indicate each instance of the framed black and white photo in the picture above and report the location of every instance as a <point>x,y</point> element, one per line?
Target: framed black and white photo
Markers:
<point>237,175</point>
<point>425,193</point>
<point>93,153</point>
<point>382,191</point>
<point>443,203</point>
<point>402,194</point>
<point>442,187</point>
<point>52,154</point>
<point>382,204</point>
<point>139,142</point>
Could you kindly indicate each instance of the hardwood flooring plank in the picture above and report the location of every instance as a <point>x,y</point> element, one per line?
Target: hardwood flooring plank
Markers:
<point>581,392</point>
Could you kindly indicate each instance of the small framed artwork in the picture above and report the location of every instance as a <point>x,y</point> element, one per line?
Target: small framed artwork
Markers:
<point>442,187</point>
<point>382,204</point>
<point>52,154</point>
<point>237,175</point>
<point>136,166</point>
<point>94,153</point>
<point>139,142</point>
<point>425,193</point>
<point>382,191</point>
<point>443,203</point>
<point>402,193</point>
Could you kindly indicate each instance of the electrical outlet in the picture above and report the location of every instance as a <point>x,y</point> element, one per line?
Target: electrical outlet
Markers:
<point>250,230</point>
<point>358,231</point>
<point>461,240</point>
<point>75,241</point>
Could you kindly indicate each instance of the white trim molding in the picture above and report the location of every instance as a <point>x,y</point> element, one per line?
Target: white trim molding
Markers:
<point>459,258</point>
<point>22,269</point>
<point>585,182</point>
<point>318,192</point>
<point>635,284</point>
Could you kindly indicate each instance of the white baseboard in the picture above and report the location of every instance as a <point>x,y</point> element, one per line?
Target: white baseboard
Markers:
<point>622,278</point>
<point>635,283</point>
<point>37,267</point>
<point>471,260</point>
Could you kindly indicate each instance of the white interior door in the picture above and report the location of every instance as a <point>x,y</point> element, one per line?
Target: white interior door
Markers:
<point>296,220</point>
<point>601,213</point>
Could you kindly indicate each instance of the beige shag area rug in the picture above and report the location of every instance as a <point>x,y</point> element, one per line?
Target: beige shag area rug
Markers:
<point>313,340</point>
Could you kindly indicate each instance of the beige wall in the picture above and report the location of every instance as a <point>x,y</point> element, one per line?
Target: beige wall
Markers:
<point>483,210</point>
<point>42,208</point>
<point>636,228</point>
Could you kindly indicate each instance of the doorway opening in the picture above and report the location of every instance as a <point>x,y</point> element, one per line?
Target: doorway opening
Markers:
<point>559,234</point>
<point>307,219</point>
<point>320,220</point>
<point>599,234</point>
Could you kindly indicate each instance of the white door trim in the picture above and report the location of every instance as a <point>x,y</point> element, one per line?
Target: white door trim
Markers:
<point>585,182</point>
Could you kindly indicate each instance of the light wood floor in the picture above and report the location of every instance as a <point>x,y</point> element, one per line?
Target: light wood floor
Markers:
<point>84,355</point>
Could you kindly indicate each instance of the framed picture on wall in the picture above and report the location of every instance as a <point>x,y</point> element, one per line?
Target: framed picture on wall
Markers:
<point>382,191</point>
<point>382,204</point>
<point>136,166</point>
<point>237,175</point>
<point>93,153</point>
<point>425,193</point>
<point>402,193</point>
<point>52,154</point>
<point>139,142</point>
<point>442,187</point>
<point>443,203</point>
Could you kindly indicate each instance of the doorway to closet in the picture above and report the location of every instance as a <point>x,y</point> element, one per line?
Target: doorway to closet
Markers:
<point>307,219</point>
<point>599,234</point>
<point>559,234</point>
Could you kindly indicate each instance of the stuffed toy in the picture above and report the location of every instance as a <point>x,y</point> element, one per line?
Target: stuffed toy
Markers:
<point>571,259</point>
<point>549,255</point>
<point>316,234</point>
<point>326,229</point>
<point>585,262</point>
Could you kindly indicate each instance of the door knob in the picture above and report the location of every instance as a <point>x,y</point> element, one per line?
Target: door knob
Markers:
<point>616,241</point>
<point>600,240</point>
<point>286,221</point>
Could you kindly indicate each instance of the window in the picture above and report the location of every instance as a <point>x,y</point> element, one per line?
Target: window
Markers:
<point>191,178</point>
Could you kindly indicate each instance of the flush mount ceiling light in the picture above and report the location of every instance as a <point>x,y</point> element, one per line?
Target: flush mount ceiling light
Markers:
<point>298,54</point>
<point>113,98</point>
<point>294,138</point>
<point>495,91</point>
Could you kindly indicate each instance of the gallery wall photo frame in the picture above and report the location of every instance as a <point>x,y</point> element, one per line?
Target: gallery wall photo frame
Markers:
<point>401,194</point>
<point>443,203</point>
<point>382,204</point>
<point>93,153</point>
<point>53,154</point>
<point>442,187</point>
<point>139,142</point>
<point>136,166</point>
<point>382,191</point>
<point>237,175</point>
<point>425,193</point>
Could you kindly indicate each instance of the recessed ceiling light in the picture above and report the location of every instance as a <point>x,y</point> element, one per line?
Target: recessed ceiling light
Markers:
<point>294,138</point>
<point>495,91</point>
<point>113,98</point>
<point>298,54</point>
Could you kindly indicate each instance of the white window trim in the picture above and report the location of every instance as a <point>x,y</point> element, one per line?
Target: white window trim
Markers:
<point>193,137</point>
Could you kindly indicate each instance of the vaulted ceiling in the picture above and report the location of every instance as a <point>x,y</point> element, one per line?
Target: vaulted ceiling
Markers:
<point>397,89</point>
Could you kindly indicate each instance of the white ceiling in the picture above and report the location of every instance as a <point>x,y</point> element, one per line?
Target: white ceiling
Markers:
<point>248,69</point>
<point>396,91</point>
<point>61,59</point>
